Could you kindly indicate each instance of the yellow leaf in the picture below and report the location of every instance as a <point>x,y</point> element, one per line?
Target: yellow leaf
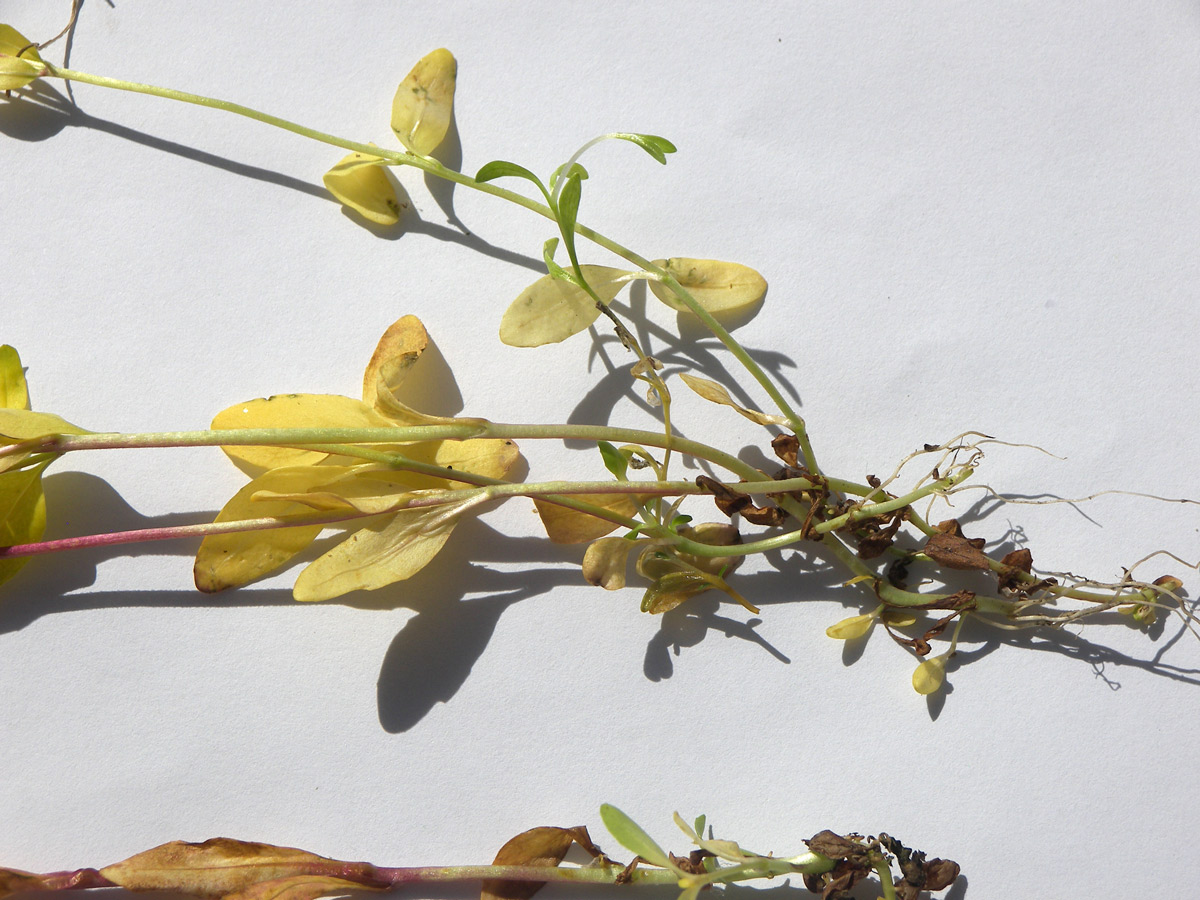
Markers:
<point>21,424</point>
<point>292,411</point>
<point>377,556</point>
<point>14,393</point>
<point>606,560</point>
<point>396,353</point>
<point>715,393</point>
<point>424,102</point>
<point>551,310</point>
<point>231,560</point>
<point>212,869</point>
<point>300,887</point>
<point>851,628</point>
<point>929,675</point>
<point>899,618</point>
<point>22,514</point>
<point>361,182</point>
<point>569,526</point>
<point>19,60</point>
<point>719,287</point>
<point>545,846</point>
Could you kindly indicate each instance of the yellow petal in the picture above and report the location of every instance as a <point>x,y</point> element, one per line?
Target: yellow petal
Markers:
<point>719,287</point>
<point>606,561</point>
<point>14,393</point>
<point>22,424</point>
<point>231,560</point>
<point>19,60</point>
<point>424,102</point>
<point>551,310</point>
<point>851,628</point>
<point>929,675</point>
<point>292,411</point>
<point>569,526</point>
<point>362,183</point>
<point>381,555</point>
<point>22,514</point>
<point>715,393</point>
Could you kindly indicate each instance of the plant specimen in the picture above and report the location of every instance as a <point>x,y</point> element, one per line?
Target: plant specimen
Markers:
<point>319,460</point>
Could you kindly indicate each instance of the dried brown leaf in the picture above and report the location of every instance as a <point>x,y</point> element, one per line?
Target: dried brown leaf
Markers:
<point>210,869</point>
<point>955,551</point>
<point>14,881</point>
<point>542,846</point>
<point>570,526</point>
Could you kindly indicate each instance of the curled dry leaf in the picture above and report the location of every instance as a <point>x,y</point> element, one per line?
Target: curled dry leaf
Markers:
<point>955,551</point>
<point>715,393</point>
<point>361,182</point>
<point>551,309</point>
<point>570,526</point>
<point>424,102</point>
<point>231,560</point>
<point>543,846</point>
<point>606,561</point>
<point>719,287</point>
<point>213,868</point>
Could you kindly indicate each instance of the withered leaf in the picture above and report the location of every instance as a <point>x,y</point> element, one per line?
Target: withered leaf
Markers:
<point>299,887</point>
<point>14,881</point>
<point>955,551</point>
<point>833,845</point>
<point>1014,563</point>
<point>940,873</point>
<point>210,869</point>
<point>570,526</point>
<point>787,448</point>
<point>542,846</point>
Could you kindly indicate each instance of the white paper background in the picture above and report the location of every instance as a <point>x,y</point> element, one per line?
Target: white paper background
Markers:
<point>979,215</point>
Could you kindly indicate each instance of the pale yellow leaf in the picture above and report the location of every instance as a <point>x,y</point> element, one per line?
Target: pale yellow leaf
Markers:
<point>899,618</point>
<point>569,526</point>
<point>22,514</point>
<point>551,310</point>
<point>292,411</point>
<point>605,562</point>
<point>19,60</point>
<point>928,676</point>
<point>300,887</point>
<point>851,628</point>
<point>719,287</point>
<point>396,353</point>
<point>231,560</point>
<point>14,393</point>
<point>22,424</point>
<point>424,102</point>
<point>361,182</point>
<point>715,393</point>
<point>212,869</point>
<point>381,555</point>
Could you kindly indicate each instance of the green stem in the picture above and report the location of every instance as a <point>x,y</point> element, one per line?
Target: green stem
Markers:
<point>435,168</point>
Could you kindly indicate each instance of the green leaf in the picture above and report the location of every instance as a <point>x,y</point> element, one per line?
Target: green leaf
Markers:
<point>575,167</point>
<point>499,168</point>
<point>14,393</point>
<point>424,102</point>
<point>556,271</point>
<point>552,309</point>
<point>614,460</point>
<point>22,514</point>
<point>656,146</point>
<point>568,207</point>
<point>631,836</point>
